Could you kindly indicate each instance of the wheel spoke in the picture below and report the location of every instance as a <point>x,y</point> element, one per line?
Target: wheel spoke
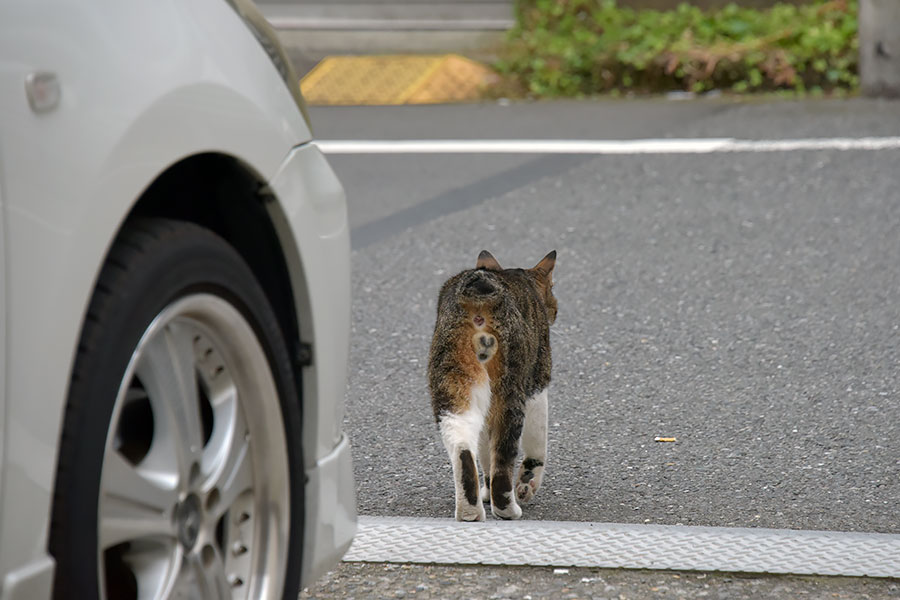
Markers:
<point>167,371</point>
<point>231,465</point>
<point>236,480</point>
<point>134,505</point>
<point>202,576</point>
<point>211,569</point>
<point>155,568</point>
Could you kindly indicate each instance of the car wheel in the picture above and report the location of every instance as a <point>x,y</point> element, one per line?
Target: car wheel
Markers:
<point>180,471</point>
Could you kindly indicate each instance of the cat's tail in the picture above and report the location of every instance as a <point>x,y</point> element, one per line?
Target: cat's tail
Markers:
<point>480,284</point>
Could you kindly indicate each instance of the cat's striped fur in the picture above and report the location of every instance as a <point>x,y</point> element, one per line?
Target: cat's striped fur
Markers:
<point>488,372</point>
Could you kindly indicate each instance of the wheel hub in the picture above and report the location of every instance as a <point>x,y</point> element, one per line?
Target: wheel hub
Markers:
<point>188,519</point>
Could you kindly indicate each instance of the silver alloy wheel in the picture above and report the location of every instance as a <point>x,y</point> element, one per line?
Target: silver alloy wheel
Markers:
<point>194,492</point>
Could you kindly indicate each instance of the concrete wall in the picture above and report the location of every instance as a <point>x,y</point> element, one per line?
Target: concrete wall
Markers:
<point>879,47</point>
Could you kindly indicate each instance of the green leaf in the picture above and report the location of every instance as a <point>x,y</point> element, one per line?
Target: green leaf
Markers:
<point>572,47</point>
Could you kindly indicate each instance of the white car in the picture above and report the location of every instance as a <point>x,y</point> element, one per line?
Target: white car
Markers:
<point>174,308</point>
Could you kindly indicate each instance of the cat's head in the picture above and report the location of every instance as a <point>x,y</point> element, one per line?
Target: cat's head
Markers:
<point>486,281</point>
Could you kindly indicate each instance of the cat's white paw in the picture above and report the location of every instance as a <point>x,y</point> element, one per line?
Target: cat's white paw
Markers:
<point>467,512</point>
<point>512,511</point>
<point>530,476</point>
<point>485,494</point>
<point>525,490</point>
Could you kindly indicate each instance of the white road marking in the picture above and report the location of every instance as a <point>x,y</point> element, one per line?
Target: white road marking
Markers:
<point>611,545</point>
<point>645,146</point>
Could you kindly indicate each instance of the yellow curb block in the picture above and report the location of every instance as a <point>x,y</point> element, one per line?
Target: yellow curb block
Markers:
<point>395,79</point>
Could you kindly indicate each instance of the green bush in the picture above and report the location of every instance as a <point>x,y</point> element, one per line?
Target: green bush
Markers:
<point>579,47</point>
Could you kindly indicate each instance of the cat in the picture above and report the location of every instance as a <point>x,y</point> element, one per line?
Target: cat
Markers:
<point>488,371</point>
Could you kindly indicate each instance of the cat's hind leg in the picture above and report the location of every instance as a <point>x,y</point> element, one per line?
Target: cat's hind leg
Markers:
<point>534,446</point>
<point>506,428</point>
<point>460,432</point>
<point>484,457</point>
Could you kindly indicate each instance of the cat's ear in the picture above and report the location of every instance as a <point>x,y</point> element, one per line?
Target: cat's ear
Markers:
<point>486,260</point>
<point>545,267</point>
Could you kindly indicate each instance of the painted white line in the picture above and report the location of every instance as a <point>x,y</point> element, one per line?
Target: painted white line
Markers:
<point>645,146</point>
<point>610,545</point>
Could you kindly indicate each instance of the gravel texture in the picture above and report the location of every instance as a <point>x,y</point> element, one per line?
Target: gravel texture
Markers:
<point>744,304</point>
<point>361,580</point>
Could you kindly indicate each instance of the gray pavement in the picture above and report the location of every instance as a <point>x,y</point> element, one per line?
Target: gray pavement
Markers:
<point>362,580</point>
<point>613,119</point>
<point>390,193</point>
<point>745,304</point>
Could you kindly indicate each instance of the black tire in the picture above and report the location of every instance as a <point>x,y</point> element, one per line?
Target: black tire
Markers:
<point>153,263</point>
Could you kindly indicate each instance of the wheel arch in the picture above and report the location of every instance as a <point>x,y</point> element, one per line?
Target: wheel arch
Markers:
<point>225,195</point>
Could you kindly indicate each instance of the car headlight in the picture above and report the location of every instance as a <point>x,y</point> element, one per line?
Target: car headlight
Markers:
<point>268,39</point>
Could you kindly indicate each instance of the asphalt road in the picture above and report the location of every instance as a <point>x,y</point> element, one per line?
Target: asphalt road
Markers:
<point>352,581</point>
<point>746,304</point>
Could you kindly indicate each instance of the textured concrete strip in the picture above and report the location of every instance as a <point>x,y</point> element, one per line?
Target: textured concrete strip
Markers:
<point>605,545</point>
<point>648,146</point>
<point>394,79</point>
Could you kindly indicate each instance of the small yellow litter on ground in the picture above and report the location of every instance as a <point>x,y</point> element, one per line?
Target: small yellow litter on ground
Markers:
<point>395,79</point>
<point>664,439</point>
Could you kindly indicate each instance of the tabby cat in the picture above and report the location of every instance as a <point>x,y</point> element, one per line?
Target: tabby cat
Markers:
<point>488,372</point>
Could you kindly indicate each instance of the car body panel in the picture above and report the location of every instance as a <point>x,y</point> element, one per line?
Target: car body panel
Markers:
<point>330,478</point>
<point>58,229</point>
<point>313,213</point>
<point>313,205</point>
